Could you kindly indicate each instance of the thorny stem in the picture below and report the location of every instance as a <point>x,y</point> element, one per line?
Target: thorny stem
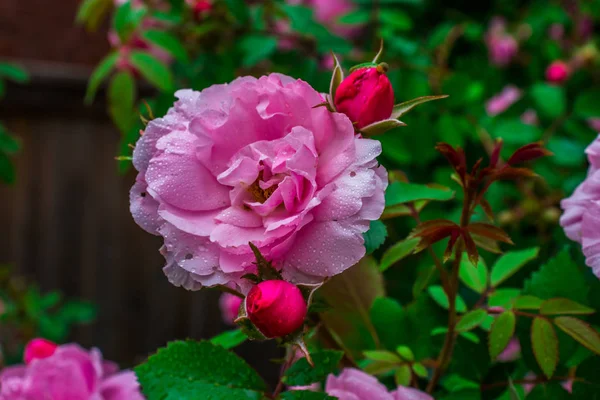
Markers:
<point>288,363</point>
<point>450,339</point>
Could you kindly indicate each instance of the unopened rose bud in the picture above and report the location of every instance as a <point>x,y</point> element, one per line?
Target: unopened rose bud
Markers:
<point>557,72</point>
<point>276,308</point>
<point>366,96</point>
<point>230,305</point>
<point>39,348</point>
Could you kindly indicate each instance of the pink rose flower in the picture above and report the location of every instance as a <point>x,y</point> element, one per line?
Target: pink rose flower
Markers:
<point>70,373</point>
<point>558,72</point>
<point>503,100</point>
<point>276,308</point>
<point>254,161</point>
<point>530,117</point>
<point>353,384</point>
<point>365,96</point>
<point>230,305</point>
<point>37,349</point>
<point>581,217</point>
<point>502,47</point>
<point>594,123</point>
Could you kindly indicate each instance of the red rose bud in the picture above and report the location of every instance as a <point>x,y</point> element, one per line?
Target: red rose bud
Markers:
<point>557,72</point>
<point>277,308</point>
<point>366,96</point>
<point>39,348</point>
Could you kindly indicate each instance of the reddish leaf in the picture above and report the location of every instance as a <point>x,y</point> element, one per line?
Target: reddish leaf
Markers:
<point>529,152</point>
<point>475,168</point>
<point>456,158</point>
<point>496,153</point>
<point>453,238</point>
<point>470,247</point>
<point>489,231</point>
<point>487,209</point>
<point>436,236</point>
<point>510,173</point>
<point>486,244</point>
<point>427,227</point>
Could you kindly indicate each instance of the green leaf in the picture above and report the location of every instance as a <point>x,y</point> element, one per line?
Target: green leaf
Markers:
<point>229,339</point>
<point>381,127</point>
<point>564,306</point>
<point>351,295</point>
<point>439,296</point>
<point>257,48</point>
<point>502,331</point>
<point>420,370</point>
<point>403,375</point>
<point>78,312</point>
<point>405,353</point>
<point>402,192</point>
<point>471,320</point>
<point>396,19</point>
<point>515,132</point>
<point>456,383</point>
<point>473,277</point>
<point>510,262</point>
<point>7,170</point>
<point>567,152</point>
<point>545,345</point>
<point>302,374</point>
<point>8,144</point>
<point>397,252</point>
<point>121,98</point>
<point>168,42</point>
<point>375,236</point>
<point>13,73</point>
<point>239,9</point>
<point>152,69</point>
<point>190,367</point>
<point>586,104</point>
<point>380,355</point>
<point>559,277</point>
<point>387,316</point>
<point>528,302</point>
<point>100,73</point>
<point>356,17</point>
<point>305,395</point>
<point>549,100</point>
<point>580,331</point>
<point>402,108</point>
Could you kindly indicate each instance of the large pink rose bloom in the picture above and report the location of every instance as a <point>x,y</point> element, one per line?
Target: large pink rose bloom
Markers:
<point>353,384</point>
<point>581,216</point>
<point>254,161</point>
<point>70,373</point>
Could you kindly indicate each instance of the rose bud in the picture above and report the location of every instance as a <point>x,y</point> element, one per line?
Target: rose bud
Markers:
<point>557,72</point>
<point>366,96</point>
<point>276,308</point>
<point>229,304</point>
<point>39,348</point>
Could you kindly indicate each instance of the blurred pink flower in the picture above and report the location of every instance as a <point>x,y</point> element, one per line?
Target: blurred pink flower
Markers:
<point>558,72</point>
<point>581,216</point>
<point>503,100</point>
<point>353,384</point>
<point>594,123</point>
<point>230,305</point>
<point>502,47</point>
<point>512,352</point>
<point>530,117</point>
<point>556,31</point>
<point>255,161</point>
<point>70,373</point>
<point>567,385</point>
<point>328,13</point>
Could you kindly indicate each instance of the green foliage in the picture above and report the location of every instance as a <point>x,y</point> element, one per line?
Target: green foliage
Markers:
<point>375,236</point>
<point>509,263</point>
<point>154,70</point>
<point>304,395</point>
<point>302,374</point>
<point>188,369</point>
<point>401,192</point>
<point>501,332</point>
<point>545,345</point>
<point>229,339</point>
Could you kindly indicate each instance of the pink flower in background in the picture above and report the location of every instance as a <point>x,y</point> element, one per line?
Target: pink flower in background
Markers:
<point>556,31</point>
<point>255,161</point>
<point>200,8</point>
<point>502,47</point>
<point>530,117</point>
<point>512,352</point>
<point>581,216</point>
<point>594,123</point>
<point>567,385</point>
<point>69,373</point>
<point>230,305</point>
<point>503,100</point>
<point>353,384</point>
<point>37,349</point>
<point>558,72</point>
<point>328,13</point>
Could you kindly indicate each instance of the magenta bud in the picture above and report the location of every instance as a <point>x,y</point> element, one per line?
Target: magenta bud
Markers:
<point>557,72</point>
<point>230,305</point>
<point>276,308</point>
<point>366,96</point>
<point>38,349</point>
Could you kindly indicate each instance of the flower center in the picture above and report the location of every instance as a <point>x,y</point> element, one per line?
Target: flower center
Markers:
<point>261,195</point>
